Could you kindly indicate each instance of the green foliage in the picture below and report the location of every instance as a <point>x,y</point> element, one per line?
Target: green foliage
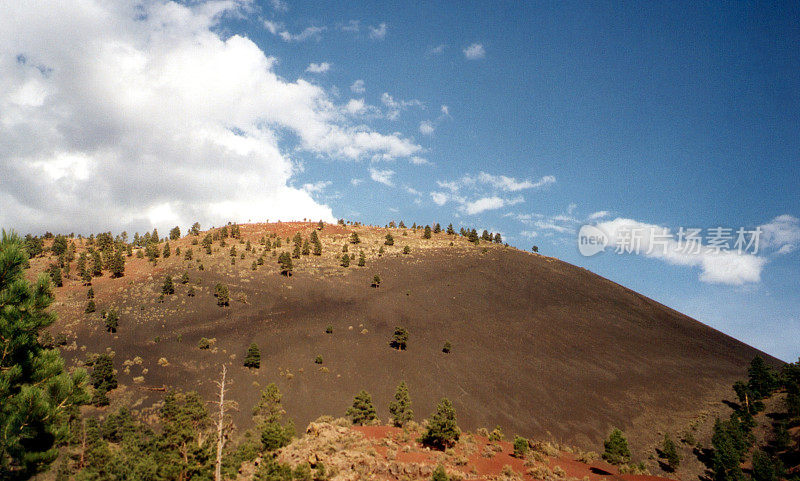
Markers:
<point>55,275</point>
<point>112,320</point>
<point>439,474</point>
<point>253,357</point>
<point>285,261</point>
<point>616,448</point>
<point>427,233</point>
<point>186,441</point>
<point>38,396</point>
<point>90,307</point>
<point>168,288</point>
<point>450,230</point>
<point>204,343</point>
<point>762,378</point>
<point>376,281</point>
<point>117,264</point>
<point>362,259</point>
<point>222,295</point>
<point>167,251</point>
<point>103,378</point>
<point>447,347</point>
<point>345,261</point>
<point>354,238</point>
<point>362,411</point>
<point>669,451</point>
<point>185,278</point>
<point>730,441</point>
<point>764,468</point>
<point>267,415</point>
<point>329,329</point>
<point>496,435</point>
<point>521,446</point>
<point>399,339</point>
<point>400,408</point>
<point>318,359</point>
<point>306,248</point>
<point>175,233</point>
<point>406,250</point>
<point>389,240</point>
<point>275,436</point>
<point>442,431</point>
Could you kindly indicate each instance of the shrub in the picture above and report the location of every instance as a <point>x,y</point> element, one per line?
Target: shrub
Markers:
<point>204,343</point>
<point>376,281</point>
<point>362,411</point>
<point>439,474</point>
<point>616,448</point>
<point>90,307</point>
<point>285,261</point>
<point>447,347</point>
<point>399,339</point>
<point>362,259</point>
<point>318,359</point>
<point>253,357</point>
<point>185,278</point>
<point>329,329</point>
<point>345,261</point>
<point>496,435</point>
<point>389,240</point>
<point>427,233</point>
<point>442,431</point>
<point>354,238</point>
<point>406,250</point>
<point>521,446</point>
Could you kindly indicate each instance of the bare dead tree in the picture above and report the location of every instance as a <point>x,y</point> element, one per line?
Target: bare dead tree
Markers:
<point>223,423</point>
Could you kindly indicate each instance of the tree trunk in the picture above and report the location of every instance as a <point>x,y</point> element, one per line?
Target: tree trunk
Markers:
<point>220,426</point>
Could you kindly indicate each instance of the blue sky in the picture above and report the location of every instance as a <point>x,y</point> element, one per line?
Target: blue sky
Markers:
<point>527,118</point>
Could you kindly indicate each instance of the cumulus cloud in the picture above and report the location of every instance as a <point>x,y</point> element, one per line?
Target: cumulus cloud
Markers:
<point>358,87</point>
<point>600,214</point>
<point>474,51</point>
<point>394,107</point>
<point>377,33</point>
<point>381,176</point>
<point>489,203</point>
<point>781,233</point>
<point>716,265</point>
<point>317,187</point>
<point>437,49</point>
<point>318,67</point>
<point>511,184</point>
<point>474,194</point>
<point>116,114</point>
<point>426,127</point>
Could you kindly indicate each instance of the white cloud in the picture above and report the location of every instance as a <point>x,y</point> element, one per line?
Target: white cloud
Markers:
<point>445,110</point>
<point>101,127</point>
<point>720,267</point>
<point>781,233</point>
<point>416,160</point>
<point>529,233</point>
<point>351,26</point>
<point>277,28</point>
<point>599,215</point>
<point>511,184</point>
<point>381,176</point>
<point>318,67</point>
<point>394,107</point>
<point>483,204</point>
<point>377,33</point>
<point>279,5</point>
<point>356,181</point>
<point>439,198</point>
<point>426,127</point>
<point>355,106</point>
<point>358,87</point>
<point>437,49</point>
<point>474,51</point>
<point>317,187</point>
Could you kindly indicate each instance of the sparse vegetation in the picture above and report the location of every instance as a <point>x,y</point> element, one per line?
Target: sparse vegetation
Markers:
<point>362,411</point>
<point>400,408</point>
<point>399,339</point>
<point>442,431</point>
<point>253,357</point>
<point>222,295</point>
<point>616,448</point>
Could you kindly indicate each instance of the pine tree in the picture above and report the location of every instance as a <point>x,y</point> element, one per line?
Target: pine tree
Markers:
<point>185,278</point>
<point>437,228</point>
<point>97,264</point>
<point>37,394</point>
<point>285,261</point>
<point>442,431</point>
<point>90,307</point>
<point>389,240</point>
<point>399,338</point>
<point>362,411</point>
<point>763,467</point>
<point>669,451</point>
<point>400,408</point>
<point>320,225</point>
<point>112,320</point>
<point>450,230</point>
<point>55,275</point>
<point>117,264</point>
<point>473,236</point>
<point>186,439</point>
<point>175,233</point>
<point>447,347</point>
<point>362,259</point>
<point>406,250</point>
<point>306,248</point>
<point>616,448</point>
<point>253,357</point>
<point>103,379</point>
<point>354,238</point>
<point>762,378</point>
<point>376,281</point>
<point>90,293</point>
<point>167,251</point>
<point>345,260</point>
<point>498,239</point>
<point>222,295</point>
<point>296,251</point>
<point>168,288</point>
<point>427,233</point>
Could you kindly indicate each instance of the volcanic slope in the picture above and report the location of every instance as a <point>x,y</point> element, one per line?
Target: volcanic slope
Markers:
<point>540,347</point>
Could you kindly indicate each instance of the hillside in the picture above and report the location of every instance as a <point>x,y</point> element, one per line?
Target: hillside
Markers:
<point>539,347</point>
